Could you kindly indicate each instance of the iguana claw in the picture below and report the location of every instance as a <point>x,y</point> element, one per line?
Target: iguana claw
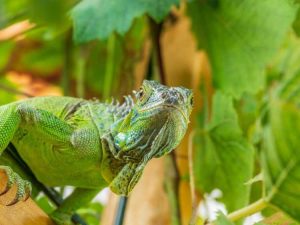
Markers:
<point>23,186</point>
<point>10,178</point>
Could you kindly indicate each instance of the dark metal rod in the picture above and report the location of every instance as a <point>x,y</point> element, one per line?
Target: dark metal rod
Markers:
<point>121,211</point>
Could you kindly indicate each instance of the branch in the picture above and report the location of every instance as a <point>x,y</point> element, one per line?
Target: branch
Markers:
<point>12,90</point>
<point>248,210</point>
<point>192,179</point>
<point>156,29</point>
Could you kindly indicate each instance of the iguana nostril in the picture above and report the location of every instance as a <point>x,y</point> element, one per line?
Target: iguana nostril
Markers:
<point>164,95</point>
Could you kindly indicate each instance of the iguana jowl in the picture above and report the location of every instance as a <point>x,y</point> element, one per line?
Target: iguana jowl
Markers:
<point>90,145</point>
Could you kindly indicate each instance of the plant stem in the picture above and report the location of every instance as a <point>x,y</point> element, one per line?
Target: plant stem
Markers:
<point>109,68</point>
<point>176,183</point>
<point>193,218</point>
<point>80,71</point>
<point>248,210</point>
<point>68,63</point>
<point>172,191</point>
<point>156,29</point>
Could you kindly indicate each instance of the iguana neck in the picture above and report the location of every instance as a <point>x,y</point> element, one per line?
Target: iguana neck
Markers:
<point>110,166</point>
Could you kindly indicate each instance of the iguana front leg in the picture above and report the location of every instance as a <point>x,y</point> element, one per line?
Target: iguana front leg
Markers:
<point>80,196</point>
<point>43,122</point>
<point>46,124</point>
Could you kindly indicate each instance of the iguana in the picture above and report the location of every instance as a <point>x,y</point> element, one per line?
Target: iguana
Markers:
<point>91,145</point>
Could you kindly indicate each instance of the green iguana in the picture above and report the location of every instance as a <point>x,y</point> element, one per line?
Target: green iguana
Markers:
<point>91,145</point>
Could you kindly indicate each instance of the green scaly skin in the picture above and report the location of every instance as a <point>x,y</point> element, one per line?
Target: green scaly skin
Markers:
<point>91,145</point>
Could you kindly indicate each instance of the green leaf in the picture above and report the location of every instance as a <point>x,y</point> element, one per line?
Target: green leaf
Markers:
<point>44,203</point>
<point>6,49</point>
<point>277,219</point>
<point>222,220</point>
<point>98,19</point>
<point>91,213</point>
<point>43,61</point>
<point>223,156</point>
<point>11,11</point>
<point>281,155</point>
<point>296,24</point>
<point>240,37</point>
<point>46,12</point>
<point>286,62</point>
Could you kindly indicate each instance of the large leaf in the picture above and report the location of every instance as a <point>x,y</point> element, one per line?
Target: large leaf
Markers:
<point>281,155</point>
<point>97,19</point>
<point>240,37</point>
<point>223,158</point>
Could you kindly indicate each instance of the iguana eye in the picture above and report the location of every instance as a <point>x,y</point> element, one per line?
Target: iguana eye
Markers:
<point>144,94</point>
<point>141,93</point>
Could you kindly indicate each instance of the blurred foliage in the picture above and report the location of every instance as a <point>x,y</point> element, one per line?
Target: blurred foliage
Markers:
<point>222,220</point>
<point>45,204</point>
<point>281,164</point>
<point>247,125</point>
<point>5,52</point>
<point>50,12</point>
<point>91,213</point>
<point>5,94</point>
<point>296,24</point>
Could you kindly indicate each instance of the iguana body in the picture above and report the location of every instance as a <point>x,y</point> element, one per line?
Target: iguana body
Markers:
<point>90,145</point>
<point>65,138</point>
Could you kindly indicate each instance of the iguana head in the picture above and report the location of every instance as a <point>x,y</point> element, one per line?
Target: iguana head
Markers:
<point>154,126</point>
